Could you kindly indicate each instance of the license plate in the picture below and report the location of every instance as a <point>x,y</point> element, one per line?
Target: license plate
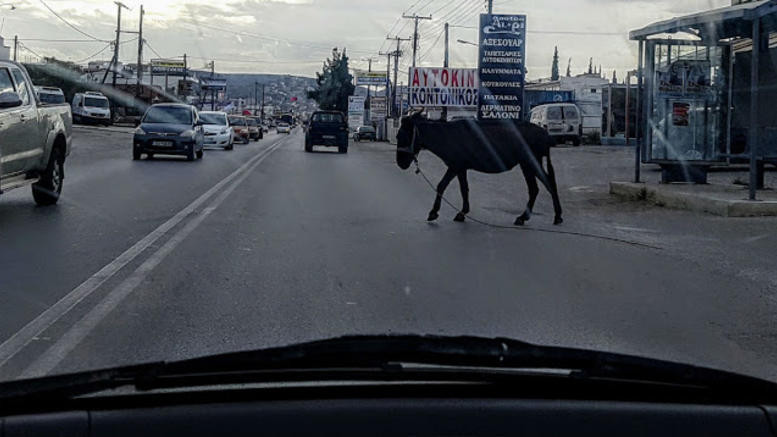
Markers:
<point>162,143</point>
<point>328,137</point>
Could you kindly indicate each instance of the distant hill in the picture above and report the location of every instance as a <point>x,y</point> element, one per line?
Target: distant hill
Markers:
<point>279,88</point>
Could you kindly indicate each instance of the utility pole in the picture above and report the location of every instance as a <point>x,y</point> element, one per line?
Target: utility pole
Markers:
<point>118,38</point>
<point>490,7</point>
<point>447,47</point>
<point>369,87</point>
<point>415,32</point>
<point>212,90</point>
<point>140,53</point>
<point>263,103</point>
<point>397,53</point>
<point>15,47</point>
<point>256,95</point>
<point>445,64</point>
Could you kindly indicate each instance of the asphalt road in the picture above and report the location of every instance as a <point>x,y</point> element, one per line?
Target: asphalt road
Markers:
<point>268,245</point>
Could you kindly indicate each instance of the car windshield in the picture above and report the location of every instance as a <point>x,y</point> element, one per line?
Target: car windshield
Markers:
<point>168,115</point>
<point>217,119</point>
<point>324,117</point>
<point>96,102</point>
<point>594,174</point>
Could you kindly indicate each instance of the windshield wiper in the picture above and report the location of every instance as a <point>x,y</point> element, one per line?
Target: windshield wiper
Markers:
<point>393,358</point>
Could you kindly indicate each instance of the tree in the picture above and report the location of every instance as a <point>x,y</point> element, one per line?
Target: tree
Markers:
<point>554,68</point>
<point>334,83</point>
<point>590,65</point>
<point>569,67</point>
<point>65,75</point>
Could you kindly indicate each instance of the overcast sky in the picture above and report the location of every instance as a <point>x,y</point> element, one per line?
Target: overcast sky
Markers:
<point>294,36</point>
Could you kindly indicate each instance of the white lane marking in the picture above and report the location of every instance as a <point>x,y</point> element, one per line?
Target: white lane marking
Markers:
<point>73,337</point>
<point>10,347</point>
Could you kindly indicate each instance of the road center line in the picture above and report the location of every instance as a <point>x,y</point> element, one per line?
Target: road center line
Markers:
<point>62,347</point>
<point>18,341</point>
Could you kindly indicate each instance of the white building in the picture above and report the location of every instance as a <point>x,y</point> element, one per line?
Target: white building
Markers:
<point>588,96</point>
<point>5,51</point>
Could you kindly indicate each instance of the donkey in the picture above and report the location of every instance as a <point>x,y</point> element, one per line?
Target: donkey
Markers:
<point>486,146</point>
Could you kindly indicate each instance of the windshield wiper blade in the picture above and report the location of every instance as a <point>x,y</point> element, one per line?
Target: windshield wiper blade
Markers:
<point>377,357</point>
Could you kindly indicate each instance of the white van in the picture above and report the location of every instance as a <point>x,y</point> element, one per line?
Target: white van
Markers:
<point>91,107</point>
<point>561,120</point>
<point>49,95</point>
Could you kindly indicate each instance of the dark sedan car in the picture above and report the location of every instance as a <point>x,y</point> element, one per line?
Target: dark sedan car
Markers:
<point>169,129</point>
<point>364,133</point>
<point>327,128</point>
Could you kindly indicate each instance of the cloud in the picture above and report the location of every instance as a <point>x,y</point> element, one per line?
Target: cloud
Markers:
<point>294,36</point>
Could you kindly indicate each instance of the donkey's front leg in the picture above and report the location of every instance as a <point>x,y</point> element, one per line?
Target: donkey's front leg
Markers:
<point>464,186</point>
<point>446,179</point>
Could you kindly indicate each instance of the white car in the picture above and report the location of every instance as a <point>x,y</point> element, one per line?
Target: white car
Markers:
<point>91,107</point>
<point>49,95</point>
<point>217,130</point>
<point>561,120</point>
<point>283,128</point>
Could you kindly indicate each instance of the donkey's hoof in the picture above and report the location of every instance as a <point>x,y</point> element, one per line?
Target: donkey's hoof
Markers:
<point>432,216</point>
<point>558,221</point>
<point>519,221</point>
<point>459,218</point>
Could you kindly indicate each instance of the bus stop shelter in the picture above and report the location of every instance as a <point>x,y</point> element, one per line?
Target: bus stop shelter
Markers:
<point>706,85</point>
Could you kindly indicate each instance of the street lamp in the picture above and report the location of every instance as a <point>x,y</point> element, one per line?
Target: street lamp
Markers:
<point>8,4</point>
<point>461,41</point>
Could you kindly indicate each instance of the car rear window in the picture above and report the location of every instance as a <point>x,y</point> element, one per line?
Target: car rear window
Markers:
<point>51,98</point>
<point>325,117</point>
<point>554,113</point>
<point>570,112</point>
<point>237,121</point>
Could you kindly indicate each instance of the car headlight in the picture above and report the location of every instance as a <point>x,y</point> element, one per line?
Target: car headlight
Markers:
<point>140,131</point>
<point>224,132</point>
<point>188,133</point>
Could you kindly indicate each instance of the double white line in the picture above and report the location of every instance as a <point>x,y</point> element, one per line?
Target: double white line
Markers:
<point>78,331</point>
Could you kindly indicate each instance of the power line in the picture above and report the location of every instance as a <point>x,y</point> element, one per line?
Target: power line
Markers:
<point>69,24</point>
<point>107,46</point>
<point>152,49</point>
<point>91,41</point>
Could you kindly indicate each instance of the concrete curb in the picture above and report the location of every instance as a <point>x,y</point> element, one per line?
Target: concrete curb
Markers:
<point>698,201</point>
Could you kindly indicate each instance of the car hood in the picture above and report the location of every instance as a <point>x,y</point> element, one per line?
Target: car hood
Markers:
<point>163,128</point>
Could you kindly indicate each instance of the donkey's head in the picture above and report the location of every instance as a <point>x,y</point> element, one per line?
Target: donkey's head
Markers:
<point>407,146</point>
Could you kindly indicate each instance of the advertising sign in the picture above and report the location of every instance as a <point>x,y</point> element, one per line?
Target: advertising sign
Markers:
<point>355,105</point>
<point>170,67</point>
<point>354,120</point>
<point>684,77</point>
<point>434,87</point>
<point>501,66</point>
<point>378,106</point>
<point>371,78</point>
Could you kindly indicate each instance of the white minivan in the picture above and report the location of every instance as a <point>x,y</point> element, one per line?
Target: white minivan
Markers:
<point>561,120</point>
<point>91,107</point>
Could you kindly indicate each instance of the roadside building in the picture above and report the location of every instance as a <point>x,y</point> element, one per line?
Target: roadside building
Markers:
<point>5,51</point>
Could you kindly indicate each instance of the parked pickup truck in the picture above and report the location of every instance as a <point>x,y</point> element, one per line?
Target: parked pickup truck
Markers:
<point>34,138</point>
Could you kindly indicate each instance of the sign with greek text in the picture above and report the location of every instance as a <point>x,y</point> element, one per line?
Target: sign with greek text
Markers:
<point>449,87</point>
<point>501,66</point>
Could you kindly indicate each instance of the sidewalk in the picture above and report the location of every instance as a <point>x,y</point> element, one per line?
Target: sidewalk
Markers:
<point>723,200</point>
